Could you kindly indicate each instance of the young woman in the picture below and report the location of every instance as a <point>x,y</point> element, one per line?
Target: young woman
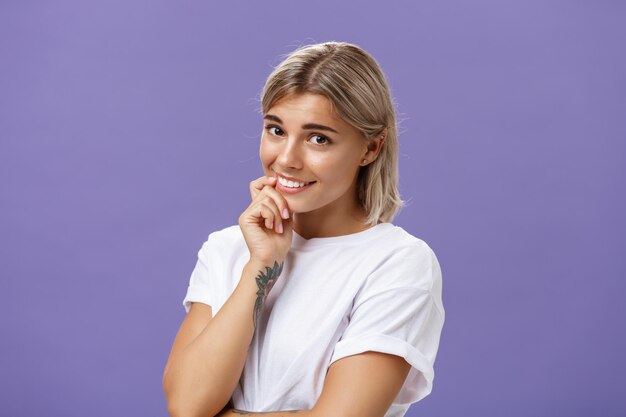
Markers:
<point>314,304</point>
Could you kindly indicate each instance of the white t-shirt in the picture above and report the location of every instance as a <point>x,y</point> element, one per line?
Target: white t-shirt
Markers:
<point>378,290</point>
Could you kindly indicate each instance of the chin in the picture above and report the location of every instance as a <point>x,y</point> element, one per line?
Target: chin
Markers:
<point>299,206</point>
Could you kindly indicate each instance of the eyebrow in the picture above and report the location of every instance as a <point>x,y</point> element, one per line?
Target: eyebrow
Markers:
<point>311,126</point>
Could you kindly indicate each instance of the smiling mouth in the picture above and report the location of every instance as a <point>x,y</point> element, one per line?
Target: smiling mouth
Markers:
<point>293,184</point>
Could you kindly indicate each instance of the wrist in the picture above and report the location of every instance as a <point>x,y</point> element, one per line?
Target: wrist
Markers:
<point>259,262</point>
<point>259,273</point>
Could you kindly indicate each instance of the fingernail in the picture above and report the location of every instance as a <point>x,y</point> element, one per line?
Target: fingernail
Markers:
<point>285,213</point>
<point>280,228</point>
<point>271,225</point>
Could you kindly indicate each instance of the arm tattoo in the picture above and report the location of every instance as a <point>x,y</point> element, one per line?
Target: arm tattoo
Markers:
<point>265,281</point>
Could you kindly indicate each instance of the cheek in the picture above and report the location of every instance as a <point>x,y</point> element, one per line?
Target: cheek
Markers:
<point>267,153</point>
<point>333,169</point>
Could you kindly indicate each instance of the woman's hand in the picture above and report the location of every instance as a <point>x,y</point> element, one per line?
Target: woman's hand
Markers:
<point>267,223</point>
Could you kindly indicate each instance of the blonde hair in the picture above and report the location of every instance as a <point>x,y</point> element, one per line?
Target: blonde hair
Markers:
<point>356,86</point>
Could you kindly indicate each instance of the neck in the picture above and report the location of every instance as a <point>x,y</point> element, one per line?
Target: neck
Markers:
<point>326,222</point>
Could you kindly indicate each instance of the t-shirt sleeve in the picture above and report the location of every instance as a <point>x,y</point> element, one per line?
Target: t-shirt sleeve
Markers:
<point>202,283</point>
<point>399,311</point>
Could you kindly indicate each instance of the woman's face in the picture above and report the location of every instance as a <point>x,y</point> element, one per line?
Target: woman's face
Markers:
<point>315,155</point>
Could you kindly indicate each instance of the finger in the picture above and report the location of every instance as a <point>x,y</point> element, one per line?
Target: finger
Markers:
<point>257,185</point>
<point>280,203</point>
<point>276,223</point>
<point>279,200</point>
<point>269,213</point>
<point>257,214</point>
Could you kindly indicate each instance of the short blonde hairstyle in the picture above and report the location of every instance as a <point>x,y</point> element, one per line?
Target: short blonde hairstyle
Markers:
<point>356,86</point>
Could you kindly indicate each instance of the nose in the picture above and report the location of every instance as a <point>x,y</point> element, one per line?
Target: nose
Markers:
<point>290,156</point>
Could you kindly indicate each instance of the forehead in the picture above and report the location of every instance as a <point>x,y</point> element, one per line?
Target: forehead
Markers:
<point>305,107</point>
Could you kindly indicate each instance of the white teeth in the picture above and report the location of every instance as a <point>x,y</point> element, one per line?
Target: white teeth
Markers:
<point>290,184</point>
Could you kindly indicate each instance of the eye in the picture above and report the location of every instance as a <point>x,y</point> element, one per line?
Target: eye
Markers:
<point>320,140</point>
<point>274,130</point>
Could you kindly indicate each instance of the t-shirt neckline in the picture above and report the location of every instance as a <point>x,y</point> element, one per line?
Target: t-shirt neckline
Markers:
<point>299,242</point>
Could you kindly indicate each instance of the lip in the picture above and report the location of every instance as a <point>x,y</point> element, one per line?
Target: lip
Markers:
<point>293,179</point>
<point>287,190</point>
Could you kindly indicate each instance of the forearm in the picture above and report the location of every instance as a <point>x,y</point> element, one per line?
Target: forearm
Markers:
<point>202,379</point>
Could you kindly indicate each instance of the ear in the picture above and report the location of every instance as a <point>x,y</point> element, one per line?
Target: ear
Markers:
<point>373,148</point>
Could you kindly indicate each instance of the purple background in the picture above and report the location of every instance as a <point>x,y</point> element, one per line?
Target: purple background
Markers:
<point>129,130</point>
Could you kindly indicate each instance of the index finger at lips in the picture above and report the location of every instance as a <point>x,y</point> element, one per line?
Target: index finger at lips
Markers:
<point>257,185</point>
